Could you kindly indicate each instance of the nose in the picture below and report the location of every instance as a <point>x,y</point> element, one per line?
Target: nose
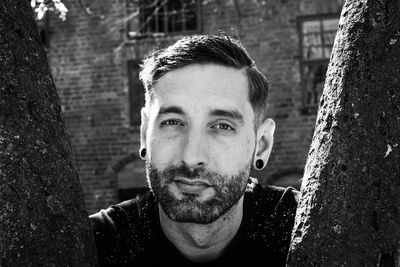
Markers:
<point>194,153</point>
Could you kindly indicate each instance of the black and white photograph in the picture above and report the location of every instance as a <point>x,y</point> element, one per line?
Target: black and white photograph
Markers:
<point>189,133</point>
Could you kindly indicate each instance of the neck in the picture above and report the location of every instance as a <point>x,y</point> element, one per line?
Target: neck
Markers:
<point>203,242</point>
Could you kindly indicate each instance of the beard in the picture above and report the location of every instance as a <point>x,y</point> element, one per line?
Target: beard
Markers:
<point>188,208</point>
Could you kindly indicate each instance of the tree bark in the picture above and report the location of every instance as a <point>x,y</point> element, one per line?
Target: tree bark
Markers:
<point>349,213</point>
<point>43,220</point>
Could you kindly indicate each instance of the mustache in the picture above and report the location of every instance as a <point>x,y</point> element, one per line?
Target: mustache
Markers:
<point>170,173</point>
<point>184,171</point>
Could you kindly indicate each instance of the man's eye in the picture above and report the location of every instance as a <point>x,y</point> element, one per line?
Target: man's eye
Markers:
<point>172,123</point>
<point>224,126</point>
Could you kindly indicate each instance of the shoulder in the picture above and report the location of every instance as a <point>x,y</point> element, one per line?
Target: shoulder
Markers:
<point>115,217</point>
<point>272,198</point>
<point>283,204</point>
<point>271,212</point>
<point>122,226</point>
<point>272,205</point>
<point>127,214</point>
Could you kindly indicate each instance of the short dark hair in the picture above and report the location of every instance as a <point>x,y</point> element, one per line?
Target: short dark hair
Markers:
<point>218,49</point>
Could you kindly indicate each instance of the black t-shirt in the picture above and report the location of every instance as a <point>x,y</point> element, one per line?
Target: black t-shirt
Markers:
<point>129,234</point>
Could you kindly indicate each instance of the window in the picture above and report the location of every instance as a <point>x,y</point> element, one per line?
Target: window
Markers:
<point>135,92</point>
<point>164,17</point>
<point>317,35</point>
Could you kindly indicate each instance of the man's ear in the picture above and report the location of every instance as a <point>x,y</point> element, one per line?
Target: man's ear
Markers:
<point>265,140</point>
<point>143,127</point>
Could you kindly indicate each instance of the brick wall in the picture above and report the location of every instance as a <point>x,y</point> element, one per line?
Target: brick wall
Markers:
<point>88,55</point>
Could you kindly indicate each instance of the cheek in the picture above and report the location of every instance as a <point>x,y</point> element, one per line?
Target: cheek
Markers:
<point>244,151</point>
<point>163,150</point>
<point>234,155</point>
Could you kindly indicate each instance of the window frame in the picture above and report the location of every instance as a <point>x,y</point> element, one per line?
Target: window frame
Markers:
<point>309,108</point>
<point>133,33</point>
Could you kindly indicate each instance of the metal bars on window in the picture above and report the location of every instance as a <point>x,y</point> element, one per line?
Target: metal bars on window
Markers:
<point>316,34</point>
<point>165,17</point>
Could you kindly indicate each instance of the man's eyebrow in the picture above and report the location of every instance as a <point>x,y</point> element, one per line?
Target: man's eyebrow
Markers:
<point>233,114</point>
<point>170,109</point>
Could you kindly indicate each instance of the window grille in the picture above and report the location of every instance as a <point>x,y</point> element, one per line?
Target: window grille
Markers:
<point>164,17</point>
<point>317,35</point>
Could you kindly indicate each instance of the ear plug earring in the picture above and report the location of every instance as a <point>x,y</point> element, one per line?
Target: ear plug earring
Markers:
<point>259,164</point>
<point>142,153</point>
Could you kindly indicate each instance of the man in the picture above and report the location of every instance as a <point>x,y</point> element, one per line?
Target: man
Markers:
<point>204,127</point>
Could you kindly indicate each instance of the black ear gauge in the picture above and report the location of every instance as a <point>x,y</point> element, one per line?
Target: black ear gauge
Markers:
<point>142,153</point>
<point>259,164</point>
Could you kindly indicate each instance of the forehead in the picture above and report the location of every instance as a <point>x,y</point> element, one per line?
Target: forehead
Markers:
<point>199,87</point>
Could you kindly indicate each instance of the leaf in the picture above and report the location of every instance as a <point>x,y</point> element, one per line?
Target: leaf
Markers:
<point>60,7</point>
<point>40,14</point>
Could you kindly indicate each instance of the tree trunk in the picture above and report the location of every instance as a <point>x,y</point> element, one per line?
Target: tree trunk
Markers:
<point>43,220</point>
<point>349,213</point>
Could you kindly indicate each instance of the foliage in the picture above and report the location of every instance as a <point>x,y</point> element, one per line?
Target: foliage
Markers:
<point>42,6</point>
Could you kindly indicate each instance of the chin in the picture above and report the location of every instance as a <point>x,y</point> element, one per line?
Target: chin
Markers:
<point>189,209</point>
<point>190,202</point>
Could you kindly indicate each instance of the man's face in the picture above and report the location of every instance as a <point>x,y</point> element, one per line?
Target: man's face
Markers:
<point>200,141</point>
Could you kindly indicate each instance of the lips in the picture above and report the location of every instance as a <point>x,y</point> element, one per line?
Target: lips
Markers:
<point>191,186</point>
<point>192,182</point>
